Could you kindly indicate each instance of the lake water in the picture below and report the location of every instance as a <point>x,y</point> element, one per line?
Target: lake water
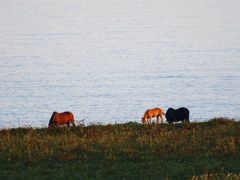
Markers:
<point>108,61</point>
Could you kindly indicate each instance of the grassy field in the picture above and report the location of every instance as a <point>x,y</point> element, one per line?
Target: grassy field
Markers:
<point>207,150</point>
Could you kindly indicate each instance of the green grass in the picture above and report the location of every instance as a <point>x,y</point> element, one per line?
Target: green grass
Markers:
<point>123,151</point>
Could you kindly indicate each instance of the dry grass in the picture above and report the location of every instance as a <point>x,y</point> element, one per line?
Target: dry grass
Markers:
<point>208,150</point>
<point>134,141</point>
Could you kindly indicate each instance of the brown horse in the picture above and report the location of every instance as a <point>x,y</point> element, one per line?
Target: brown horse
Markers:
<point>61,119</point>
<point>151,113</point>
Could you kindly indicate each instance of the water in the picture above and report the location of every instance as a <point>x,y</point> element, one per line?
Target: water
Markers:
<point>108,61</point>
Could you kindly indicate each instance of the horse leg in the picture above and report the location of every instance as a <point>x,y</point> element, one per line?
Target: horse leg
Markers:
<point>161,116</point>
<point>150,120</point>
<point>68,124</point>
<point>157,119</point>
<point>73,123</point>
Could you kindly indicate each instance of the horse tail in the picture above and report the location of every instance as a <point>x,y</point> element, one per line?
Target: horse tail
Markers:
<point>51,121</point>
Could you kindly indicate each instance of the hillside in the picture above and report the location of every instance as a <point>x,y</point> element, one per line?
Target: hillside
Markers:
<point>123,151</point>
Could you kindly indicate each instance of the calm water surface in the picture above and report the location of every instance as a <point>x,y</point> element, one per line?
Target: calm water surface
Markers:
<point>108,61</point>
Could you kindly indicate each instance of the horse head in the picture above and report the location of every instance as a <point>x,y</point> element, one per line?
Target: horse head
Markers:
<point>51,121</point>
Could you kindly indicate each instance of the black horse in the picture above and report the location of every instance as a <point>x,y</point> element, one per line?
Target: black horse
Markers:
<point>175,115</point>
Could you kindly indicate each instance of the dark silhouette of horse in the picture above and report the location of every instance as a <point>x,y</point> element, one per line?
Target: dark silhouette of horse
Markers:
<point>175,115</point>
<point>151,113</point>
<point>61,119</point>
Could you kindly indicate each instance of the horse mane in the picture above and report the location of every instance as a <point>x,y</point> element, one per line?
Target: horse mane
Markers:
<point>51,119</point>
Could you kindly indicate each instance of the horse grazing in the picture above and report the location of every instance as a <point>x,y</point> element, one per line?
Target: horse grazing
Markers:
<point>152,113</point>
<point>61,119</point>
<point>175,115</point>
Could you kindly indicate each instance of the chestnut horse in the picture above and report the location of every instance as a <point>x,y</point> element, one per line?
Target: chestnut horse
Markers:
<point>61,119</point>
<point>151,113</point>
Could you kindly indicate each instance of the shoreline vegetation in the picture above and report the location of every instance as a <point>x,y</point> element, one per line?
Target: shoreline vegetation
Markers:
<point>198,150</point>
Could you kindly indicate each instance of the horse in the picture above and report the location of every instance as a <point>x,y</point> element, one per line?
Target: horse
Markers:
<point>175,115</point>
<point>61,119</point>
<point>152,113</point>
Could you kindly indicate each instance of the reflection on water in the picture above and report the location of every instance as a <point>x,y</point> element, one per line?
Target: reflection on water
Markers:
<point>108,61</point>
